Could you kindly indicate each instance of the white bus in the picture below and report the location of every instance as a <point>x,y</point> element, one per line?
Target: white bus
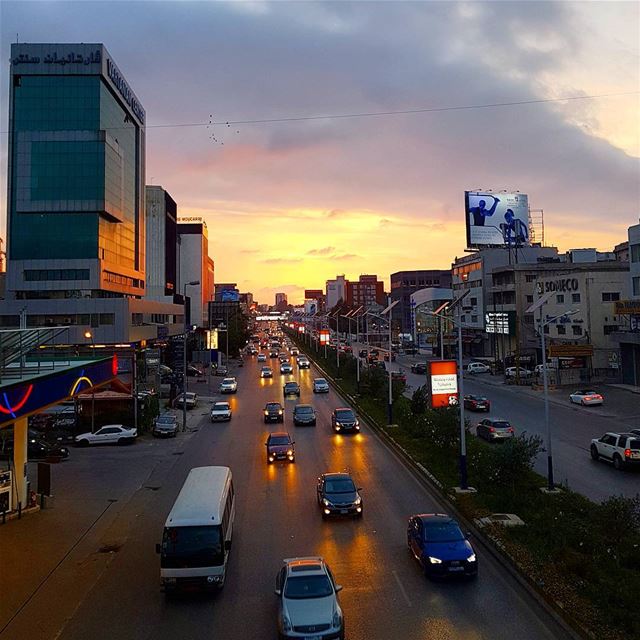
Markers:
<point>197,533</point>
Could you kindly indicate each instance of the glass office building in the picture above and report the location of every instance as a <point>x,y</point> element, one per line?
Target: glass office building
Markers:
<point>76,176</point>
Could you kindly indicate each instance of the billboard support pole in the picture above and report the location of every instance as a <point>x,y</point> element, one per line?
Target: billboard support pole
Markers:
<point>463,434</point>
<point>550,483</point>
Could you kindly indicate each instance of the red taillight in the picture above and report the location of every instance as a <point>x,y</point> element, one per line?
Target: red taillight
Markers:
<point>492,430</point>
<point>510,429</point>
<point>627,453</point>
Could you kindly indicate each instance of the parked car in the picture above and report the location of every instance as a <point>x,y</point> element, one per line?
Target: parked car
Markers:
<point>586,397</point>
<point>109,434</point>
<point>304,414</point>
<point>510,372</point>
<point>266,372</point>
<point>220,412</point>
<point>420,368</point>
<point>411,351</point>
<point>320,385</point>
<point>623,449</point>
<point>291,389</point>
<point>194,372</point>
<point>228,385</point>
<point>399,375</point>
<point>37,447</point>
<point>337,494</point>
<point>286,368</point>
<point>495,429</point>
<point>362,353</point>
<point>280,447</point>
<point>478,367</point>
<point>273,412</point>
<point>344,419</point>
<point>438,544</point>
<point>165,425</point>
<point>262,357</point>
<point>477,403</point>
<point>191,400</point>
<point>386,357</point>
<point>539,369</point>
<point>308,600</point>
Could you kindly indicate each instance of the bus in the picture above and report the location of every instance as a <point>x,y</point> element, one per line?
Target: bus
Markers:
<point>197,533</point>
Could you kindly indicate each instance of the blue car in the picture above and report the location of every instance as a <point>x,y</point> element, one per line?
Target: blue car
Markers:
<point>436,541</point>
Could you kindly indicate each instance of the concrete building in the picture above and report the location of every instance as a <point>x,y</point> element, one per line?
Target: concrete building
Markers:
<point>196,265</point>
<point>76,197</point>
<point>336,290</point>
<point>367,292</point>
<point>404,284</point>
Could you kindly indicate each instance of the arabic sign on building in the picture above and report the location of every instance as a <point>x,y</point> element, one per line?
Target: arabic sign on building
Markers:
<point>627,307</point>
<point>574,350</point>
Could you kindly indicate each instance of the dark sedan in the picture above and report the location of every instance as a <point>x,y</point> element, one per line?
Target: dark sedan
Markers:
<point>273,412</point>
<point>304,414</point>
<point>438,544</point>
<point>477,403</point>
<point>344,420</point>
<point>337,494</point>
<point>291,389</point>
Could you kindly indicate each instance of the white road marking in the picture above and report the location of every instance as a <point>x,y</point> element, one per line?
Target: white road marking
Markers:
<point>402,589</point>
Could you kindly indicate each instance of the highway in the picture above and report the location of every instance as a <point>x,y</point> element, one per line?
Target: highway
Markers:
<point>385,595</point>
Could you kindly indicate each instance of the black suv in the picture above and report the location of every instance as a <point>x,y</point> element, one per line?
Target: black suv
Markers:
<point>337,494</point>
<point>273,412</point>
<point>291,389</point>
<point>344,420</point>
<point>304,414</point>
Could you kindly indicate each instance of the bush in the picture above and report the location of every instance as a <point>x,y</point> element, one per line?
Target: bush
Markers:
<point>419,400</point>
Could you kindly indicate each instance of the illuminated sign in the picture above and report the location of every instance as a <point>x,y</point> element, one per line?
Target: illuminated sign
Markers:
<point>301,329</point>
<point>212,339</point>
<point>495,219</point>
<point>502,322</point>
<point>573,350</point>
<point>444,383</point>
<point>324,336</point>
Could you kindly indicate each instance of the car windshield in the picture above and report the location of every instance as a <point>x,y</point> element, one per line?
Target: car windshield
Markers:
<point>191,547</point>
<point>442,532</point>
<point>300,587</point>
<point>228,381</point>
<point>343,485</point>
<point>291,385</point>
<point>633,444</point>
<point>345,414</point>
<point>321,381</point>
<point>478,398</point>
<point>165,420</point>
<point>279,440</point>
<point>221,406</point>
<point>500,425</point>
<point>305,410</point>
<point>273,406</point>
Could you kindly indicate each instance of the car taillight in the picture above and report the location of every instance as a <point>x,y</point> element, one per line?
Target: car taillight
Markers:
<point>491,430</point>
<point>510,429</point>
<point>627,453</point>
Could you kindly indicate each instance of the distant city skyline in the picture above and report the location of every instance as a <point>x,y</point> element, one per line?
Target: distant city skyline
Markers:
<point>292,203</point>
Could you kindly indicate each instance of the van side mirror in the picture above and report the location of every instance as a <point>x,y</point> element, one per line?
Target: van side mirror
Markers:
<point>338,588</point>
<point>158,548</point>
<point>278,592</point>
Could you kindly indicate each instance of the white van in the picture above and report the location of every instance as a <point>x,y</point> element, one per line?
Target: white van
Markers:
<point>197,533</point>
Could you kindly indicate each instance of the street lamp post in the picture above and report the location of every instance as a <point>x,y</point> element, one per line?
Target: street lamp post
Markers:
<point>89,336</point>
<point>193,283</point>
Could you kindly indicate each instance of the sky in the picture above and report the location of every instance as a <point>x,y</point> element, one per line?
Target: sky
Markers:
<point>292,203</point>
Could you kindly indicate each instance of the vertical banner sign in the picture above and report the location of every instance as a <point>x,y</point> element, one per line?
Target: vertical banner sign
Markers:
<point>324,336</point>
<point>444,383</point>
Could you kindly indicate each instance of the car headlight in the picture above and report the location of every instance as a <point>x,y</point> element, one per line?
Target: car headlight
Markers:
<point>358,501</point>
<point>337,619</point>
<point>471,558</point>
<point>435,560</point>
<point>280,412</point>
<point>286,623</point>
<point>326,502</point>
<point>266,413</point>
<point>290,452</point>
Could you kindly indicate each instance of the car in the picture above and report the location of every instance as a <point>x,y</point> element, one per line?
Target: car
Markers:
<point>586,397</point>
<point>262,357</point>
<point>220,412</point>
<point>166,424</point>
<point>303,363</point>
<point>295,351</point>
<point>399,375</point>
<point>109,434</point>
<point>229,385</point>
<point>495,429</point>
<point>337,494</point>
<point>411,351</point>
<point>37,447</point>
<point>510,372</point>
<point>273,412</point>
<point>623,449</point>
<point>286,368</point>
<point>191,400</point>
<point>194,372</point>
<point>320,385</point>
<point>280,447</point>
<point>420,368</point>
<point>266,372</point>
<point>539,369</point>
<point>273,353</point>
<point>283,358</point>
<point>308,604</point>
<point>291,389</point>
<point>304,414</point>
<point>478,367</point>
<point>221,370</point>
<point>344,420</point>
<point>362,353</point>
<point>477,403</point>
<point>436,541</point>
<point>385,357</point>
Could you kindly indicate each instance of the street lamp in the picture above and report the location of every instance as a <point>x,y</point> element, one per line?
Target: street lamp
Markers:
<point>89,336</point>
<point>193,283</point>
<point>353,315</point>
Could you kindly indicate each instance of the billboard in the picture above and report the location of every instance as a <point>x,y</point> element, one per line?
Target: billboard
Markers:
<point>444,383</point>
<point>230,295</point>
<point>324,336</point>
<point>503,322</point>
<point>496,219</point>
<point>310,307</point>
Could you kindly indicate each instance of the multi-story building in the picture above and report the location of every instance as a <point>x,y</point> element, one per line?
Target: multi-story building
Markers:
<point>196,265</point>
<point>281,299</point>
<point>336,291</point>
<point>406,283</point>
<point>76,194</point>
<point>368,292</point>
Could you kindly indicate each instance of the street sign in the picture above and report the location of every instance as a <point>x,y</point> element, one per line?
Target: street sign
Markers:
<point>444,383</point>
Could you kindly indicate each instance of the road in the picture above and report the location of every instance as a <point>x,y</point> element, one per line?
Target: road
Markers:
<point>385,595</point>
<point>572,428</point>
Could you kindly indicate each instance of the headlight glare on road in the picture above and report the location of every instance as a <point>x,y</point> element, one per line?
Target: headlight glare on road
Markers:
<point>433,560</point>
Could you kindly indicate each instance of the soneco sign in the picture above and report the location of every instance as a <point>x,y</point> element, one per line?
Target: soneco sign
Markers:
<point>444,383</point>
<point>561,285</point>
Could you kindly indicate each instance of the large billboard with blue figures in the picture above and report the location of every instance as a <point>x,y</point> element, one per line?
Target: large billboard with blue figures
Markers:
<point>230,295</point>
<point>497,219</point>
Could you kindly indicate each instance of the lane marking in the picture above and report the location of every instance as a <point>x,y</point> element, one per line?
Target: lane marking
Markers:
<point>402,589</point>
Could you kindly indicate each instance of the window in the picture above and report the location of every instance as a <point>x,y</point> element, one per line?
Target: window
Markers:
<point>529,299</point>
<point>635,281</point>
<point>560,298</point>
<point>575,297</point>
<point>474,318</point>
<point>610,296</point>
<point>635,252</point>
<point>473,301</point>
<point>577,329</point>
<point>463,318</point>
<point>561,330</point>
<point>610,328</point>
<point>530,278</point>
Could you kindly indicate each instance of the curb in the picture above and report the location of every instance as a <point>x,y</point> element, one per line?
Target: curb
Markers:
<point>489,543</point>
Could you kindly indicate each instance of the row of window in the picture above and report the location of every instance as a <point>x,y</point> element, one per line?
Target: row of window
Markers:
<point>60,320</point>
<point>117,278</point>
<point>607,296</point>
<point>37,275</point>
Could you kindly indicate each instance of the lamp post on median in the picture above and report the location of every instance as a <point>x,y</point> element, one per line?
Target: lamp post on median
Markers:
<point>353,315</point>
<point>193,283</point>
<point>89,336</point>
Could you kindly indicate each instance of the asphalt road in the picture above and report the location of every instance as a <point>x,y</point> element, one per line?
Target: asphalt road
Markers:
<point>385,595</point>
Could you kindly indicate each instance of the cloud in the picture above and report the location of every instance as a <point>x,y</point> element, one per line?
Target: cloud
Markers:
<point>281,260</point>
<point>321,252</point>
<point>345,256</point>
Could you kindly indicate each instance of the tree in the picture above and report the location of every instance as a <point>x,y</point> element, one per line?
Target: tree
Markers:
<point>419,400</point>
